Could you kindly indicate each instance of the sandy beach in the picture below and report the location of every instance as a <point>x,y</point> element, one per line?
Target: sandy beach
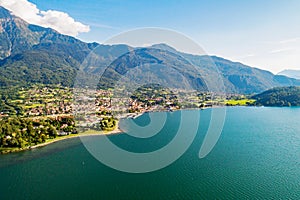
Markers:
<point>60,138</point>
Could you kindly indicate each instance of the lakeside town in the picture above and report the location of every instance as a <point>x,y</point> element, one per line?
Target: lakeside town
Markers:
<point>39,113</point>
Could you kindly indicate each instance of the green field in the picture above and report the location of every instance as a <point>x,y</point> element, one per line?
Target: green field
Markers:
<point>242,102</point>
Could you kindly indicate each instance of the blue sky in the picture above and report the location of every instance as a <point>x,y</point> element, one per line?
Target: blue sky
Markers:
<point>264,34</point>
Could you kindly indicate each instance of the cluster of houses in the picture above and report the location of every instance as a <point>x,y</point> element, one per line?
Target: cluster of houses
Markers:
<point>155,104</point>
<point>55,101</point>
<point>39,101</point>
<point>50,109</point>
<point>103,104</point>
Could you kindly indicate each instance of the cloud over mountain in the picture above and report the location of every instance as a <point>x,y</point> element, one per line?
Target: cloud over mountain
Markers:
<point>57,20</point>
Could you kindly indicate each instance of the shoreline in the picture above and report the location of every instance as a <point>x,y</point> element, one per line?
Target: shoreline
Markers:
<point>97,133</point>
<point>61,138</point>
<point>88,133</point>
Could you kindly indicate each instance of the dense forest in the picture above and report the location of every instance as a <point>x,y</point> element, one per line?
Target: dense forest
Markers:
<point>279,96</point>
<point>25,132</point>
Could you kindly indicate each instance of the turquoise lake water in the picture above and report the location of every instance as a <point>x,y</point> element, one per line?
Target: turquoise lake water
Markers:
<point>256,157</point>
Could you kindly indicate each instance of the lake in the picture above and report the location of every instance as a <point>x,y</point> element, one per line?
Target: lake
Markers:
<point>256,157</point>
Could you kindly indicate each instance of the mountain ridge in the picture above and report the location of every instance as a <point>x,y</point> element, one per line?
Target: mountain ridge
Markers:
<point>292,73</point>
<point>34,54</point>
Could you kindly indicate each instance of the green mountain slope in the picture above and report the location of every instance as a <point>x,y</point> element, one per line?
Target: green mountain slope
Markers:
<point>153,66</point>
<point>33,54</point>
<point>280,96</point>
<point>237,77</point>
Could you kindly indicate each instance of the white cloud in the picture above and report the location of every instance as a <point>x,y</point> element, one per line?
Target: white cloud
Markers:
<point>281,50</point>
<point>57,20</point>
<point>291,40</point>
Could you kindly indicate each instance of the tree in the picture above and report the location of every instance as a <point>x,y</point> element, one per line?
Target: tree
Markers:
<point>52,131</point>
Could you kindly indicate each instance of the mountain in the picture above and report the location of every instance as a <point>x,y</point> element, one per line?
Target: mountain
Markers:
<point>280,96</point>
<point>237,77</point>
<point>33,54</point>
<point>246,79</point>
<point>156,66</point>
<point>290,73</point>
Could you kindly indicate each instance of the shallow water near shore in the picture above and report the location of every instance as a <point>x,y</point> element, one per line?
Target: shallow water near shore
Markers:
<point>257,156</point>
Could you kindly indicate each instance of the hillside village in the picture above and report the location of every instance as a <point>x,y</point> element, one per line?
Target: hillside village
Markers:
<point>43,101</point>
<point>36,113</point>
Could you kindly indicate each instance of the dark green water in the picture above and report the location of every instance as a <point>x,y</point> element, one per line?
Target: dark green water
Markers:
<point>257,157</point>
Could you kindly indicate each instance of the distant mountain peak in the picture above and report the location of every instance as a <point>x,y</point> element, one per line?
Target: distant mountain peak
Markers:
<point>164,46</point>
<point>292,73</point>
